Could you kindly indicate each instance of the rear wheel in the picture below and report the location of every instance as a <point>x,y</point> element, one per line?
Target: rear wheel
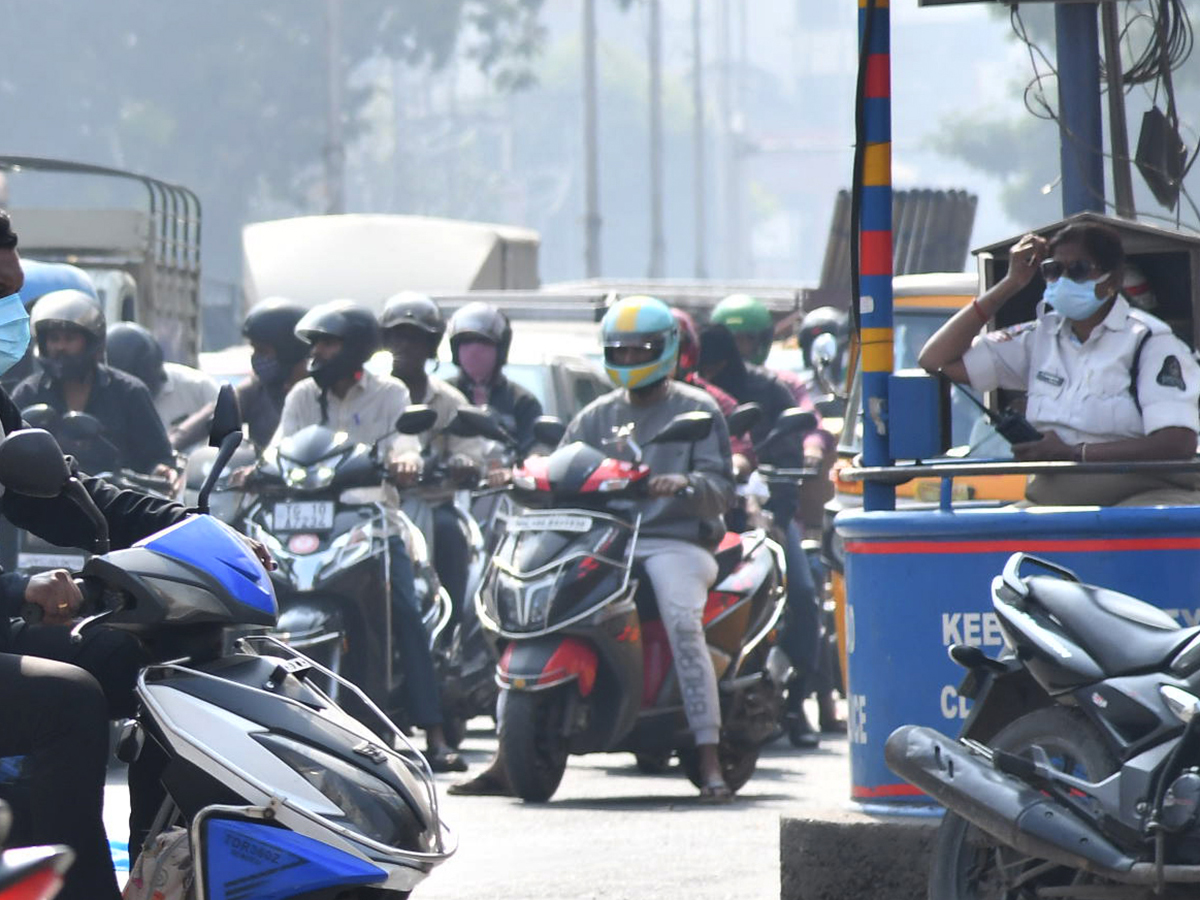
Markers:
<point>969,864</point>
<point>533,743</point>
<point>656,763</point>
<point>738,762</point>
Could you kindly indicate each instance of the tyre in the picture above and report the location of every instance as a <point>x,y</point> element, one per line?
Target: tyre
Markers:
<point>738,762</point>
<point>532,742</point>
<point>657,763</point>
<point>968,864</point>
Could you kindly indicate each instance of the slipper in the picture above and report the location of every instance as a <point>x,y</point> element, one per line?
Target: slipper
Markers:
<point>716,792</point>
<point>485,784</point>
<point>445,760</point>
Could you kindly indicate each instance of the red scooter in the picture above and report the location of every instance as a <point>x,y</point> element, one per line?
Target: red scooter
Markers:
<point>30,873</point>
<point>585,663</point>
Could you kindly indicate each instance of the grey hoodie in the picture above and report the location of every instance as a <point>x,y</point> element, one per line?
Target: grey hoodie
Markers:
<point>707,463</point>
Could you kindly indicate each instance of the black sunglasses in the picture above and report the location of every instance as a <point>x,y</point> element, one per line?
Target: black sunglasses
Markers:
<point>1079,270</point>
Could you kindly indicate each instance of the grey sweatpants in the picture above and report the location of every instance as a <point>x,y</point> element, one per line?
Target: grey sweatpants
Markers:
<point>681,574</point>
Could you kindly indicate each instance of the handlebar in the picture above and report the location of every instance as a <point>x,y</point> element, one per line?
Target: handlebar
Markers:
<point>92,591</point>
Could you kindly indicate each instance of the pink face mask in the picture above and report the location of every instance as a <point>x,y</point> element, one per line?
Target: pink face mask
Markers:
<point>478,360</point>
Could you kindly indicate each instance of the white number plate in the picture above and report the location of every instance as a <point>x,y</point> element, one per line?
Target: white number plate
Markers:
<point>312,515</point>
<point>550,523</point>
<point>50,561</point>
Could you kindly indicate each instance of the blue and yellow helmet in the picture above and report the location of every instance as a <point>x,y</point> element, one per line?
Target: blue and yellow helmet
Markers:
<point>640,322</point>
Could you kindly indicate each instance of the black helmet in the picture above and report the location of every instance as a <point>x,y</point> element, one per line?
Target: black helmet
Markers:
<point>822,320</point>
<point>69,309</point>
<point>273,322</point>
<point>480,320</point>
<point>354,324</point>
<point>133,349</point>
<point>416,310</point>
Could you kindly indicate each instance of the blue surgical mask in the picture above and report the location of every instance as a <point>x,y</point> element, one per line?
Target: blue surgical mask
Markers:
<point>14,331</point>
<point>1075,300</point>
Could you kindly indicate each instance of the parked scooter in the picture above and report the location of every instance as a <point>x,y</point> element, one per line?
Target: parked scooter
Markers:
<point>274,788</point>
<point>586,664</point>
<point>1075,771</point>
<point>30,873</point>
<point>318,504</point>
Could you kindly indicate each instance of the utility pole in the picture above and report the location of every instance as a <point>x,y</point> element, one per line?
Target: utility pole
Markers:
<point>698,198</point>
<point>1117,126</point>
<point>1081,128</point>
<point>727,162</point>
<point>335,148</point>
<point>591,217</point>
<point>657,242</point>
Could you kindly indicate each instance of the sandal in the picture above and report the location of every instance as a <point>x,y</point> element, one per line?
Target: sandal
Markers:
<point>716,792</point>
<point>445,760</point>
<point>485,784</point>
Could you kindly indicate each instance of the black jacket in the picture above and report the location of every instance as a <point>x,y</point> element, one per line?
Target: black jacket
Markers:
<point>121,403</point>
<point>131,516</point>
<point>515,407</point>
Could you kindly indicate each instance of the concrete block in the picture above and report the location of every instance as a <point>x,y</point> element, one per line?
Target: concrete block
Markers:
<point>843,854</point>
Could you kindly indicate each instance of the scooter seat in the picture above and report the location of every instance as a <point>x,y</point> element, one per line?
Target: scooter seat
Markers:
<point>1123,634</point>
<point>729,555</point>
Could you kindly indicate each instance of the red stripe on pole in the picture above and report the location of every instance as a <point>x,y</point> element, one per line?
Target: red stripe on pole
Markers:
<point>1015,546</point>
<point>885,790</point>
<point>876,253</point>
<point>879,75</point>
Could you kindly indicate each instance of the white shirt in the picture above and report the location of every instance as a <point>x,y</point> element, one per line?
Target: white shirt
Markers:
<point>367,413</point>
<point>185,391</point>
<point>1081,390</point>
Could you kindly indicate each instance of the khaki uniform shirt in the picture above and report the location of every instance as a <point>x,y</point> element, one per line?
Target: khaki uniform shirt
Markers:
<point>1081,390</point>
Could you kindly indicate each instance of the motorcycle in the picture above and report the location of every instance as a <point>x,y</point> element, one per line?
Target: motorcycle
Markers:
<point>318,504</point>
<point>586,666</point>
<point>30,873</point>
<point>275,789</point>
<point>1075,772</point>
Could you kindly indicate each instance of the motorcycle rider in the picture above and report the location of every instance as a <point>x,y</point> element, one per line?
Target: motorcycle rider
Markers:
<point>178,390</point>
<point>685,371</point>
<point>341,394</point>
<point>480,336</point>
<point>690,488</point>
<point>721,362</point>
<point>69,331</point>
<point>413,328</point>
<point>279,361</point>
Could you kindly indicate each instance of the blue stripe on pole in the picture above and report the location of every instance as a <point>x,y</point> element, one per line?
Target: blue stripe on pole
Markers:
<point>880,29</point>
<point>877,209</point>
<point>879,289</point>
<point>878,112</point>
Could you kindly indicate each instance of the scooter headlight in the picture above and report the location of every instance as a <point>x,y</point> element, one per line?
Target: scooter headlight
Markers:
<point>370,806</point>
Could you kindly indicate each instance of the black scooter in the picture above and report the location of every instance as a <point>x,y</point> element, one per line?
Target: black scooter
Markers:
<point>1075,773</point>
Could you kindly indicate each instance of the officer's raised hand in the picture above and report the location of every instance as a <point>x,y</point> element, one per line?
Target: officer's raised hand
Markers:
<point>1025,257</point>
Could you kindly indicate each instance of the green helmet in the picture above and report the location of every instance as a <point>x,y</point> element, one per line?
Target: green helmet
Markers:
<point>743,314</point>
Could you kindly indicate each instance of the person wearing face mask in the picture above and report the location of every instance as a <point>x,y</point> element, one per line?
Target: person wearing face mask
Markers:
<point>480,336</point>
<point>69,332</point>
<point>279,361</point>
<point>1105,382</point>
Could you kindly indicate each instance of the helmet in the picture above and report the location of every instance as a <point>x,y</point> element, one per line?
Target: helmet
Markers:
<point>822,320</point>
<point>354,324</point>
<point>481,321</point>
<point>273,322</point>
<point>642,322</point>
<point>69,309</point>
<point>133,349</point>
<point>743,314</point>
<point>416,310</point>
<point>689,341</point>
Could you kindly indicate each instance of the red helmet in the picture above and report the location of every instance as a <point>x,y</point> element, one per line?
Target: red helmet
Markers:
<point>689,342</point>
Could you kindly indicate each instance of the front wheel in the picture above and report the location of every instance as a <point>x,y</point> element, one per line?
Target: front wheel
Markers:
<point>969,864</point>
<point>738,762</point>
<point>533,742</point>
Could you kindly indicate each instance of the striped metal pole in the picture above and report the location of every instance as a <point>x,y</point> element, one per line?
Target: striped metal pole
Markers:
<point>875,244</point>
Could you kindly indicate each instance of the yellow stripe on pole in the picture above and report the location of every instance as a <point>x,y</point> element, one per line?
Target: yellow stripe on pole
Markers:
<point>877,348</point>
<point>877,165</point>
<point>879,4</point>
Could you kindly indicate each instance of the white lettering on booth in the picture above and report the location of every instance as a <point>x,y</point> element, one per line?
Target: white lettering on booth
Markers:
<point>973,628</point>
<point>856,723</point>
<point>953,706</point>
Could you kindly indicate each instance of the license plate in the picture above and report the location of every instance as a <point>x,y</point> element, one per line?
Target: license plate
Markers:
<point>69,561</point>
<point>550,523</point>
<point>312,515</point>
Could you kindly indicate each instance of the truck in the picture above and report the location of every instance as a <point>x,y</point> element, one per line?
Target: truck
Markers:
<point>143,257</point>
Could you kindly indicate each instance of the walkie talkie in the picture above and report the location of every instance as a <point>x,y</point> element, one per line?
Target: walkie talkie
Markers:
<point>1010,424</point>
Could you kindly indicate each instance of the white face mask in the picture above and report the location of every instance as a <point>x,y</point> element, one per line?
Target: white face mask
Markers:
<point>1075,300</point>
<point>14,331</point>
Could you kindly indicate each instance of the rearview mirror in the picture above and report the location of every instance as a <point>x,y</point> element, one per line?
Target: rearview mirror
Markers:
<point>41,415</point>
<point>744,418</point>
<point>474,421</point>
<point>824,350</point>
<point>549,430</point>
<point>227,418</point>
<point>831,407</point>
<point>687,428</point>
<point>791,423</point>
<point>32,463</point>
<point>79,426</point>
<point>416,419</point>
